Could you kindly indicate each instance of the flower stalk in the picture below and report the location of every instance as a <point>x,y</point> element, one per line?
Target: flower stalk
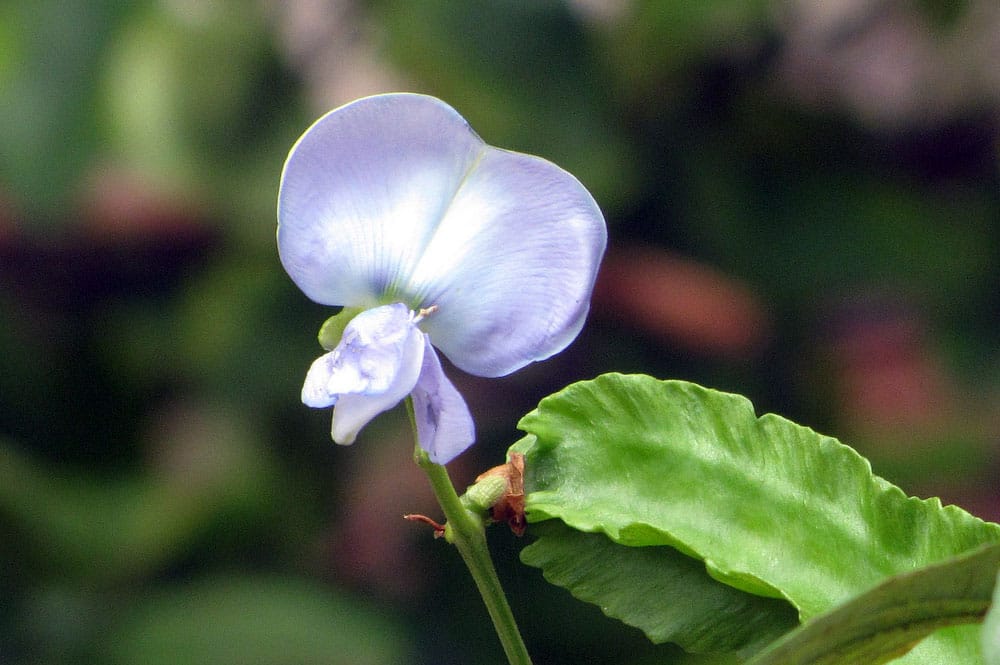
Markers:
<point>467,532</point>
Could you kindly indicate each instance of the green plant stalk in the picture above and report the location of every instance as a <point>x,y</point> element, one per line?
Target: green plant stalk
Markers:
<point>467,532</point>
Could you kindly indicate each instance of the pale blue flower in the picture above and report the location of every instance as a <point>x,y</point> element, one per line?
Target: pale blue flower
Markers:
<point>394,205</point>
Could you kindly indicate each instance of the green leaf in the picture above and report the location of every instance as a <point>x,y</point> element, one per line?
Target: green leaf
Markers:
<point>658,590</point>
<point>771,507</point>
<point>991,630</point>
<point>887,621</point>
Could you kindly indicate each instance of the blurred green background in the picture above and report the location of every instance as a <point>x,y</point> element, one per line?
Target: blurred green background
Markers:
<point>803,206</point>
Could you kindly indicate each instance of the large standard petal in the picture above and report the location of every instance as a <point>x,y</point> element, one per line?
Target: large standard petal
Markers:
<point>444,425</point>
<point>512,265</point>
<point>364,190</point>
<point>395,197</point>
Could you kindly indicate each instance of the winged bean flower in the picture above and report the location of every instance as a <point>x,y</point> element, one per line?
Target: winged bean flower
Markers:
<point>392,204</point>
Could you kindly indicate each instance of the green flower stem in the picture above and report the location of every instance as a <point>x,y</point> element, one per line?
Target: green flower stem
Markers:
<point>466,531</point>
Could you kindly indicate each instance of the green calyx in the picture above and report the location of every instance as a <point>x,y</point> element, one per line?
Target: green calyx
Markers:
<point>332,329</point>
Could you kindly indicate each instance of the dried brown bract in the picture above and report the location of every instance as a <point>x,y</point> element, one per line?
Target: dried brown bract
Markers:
<point>509,507</point>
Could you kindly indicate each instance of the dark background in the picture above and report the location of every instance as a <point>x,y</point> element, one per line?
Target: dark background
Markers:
<point>803,207</point>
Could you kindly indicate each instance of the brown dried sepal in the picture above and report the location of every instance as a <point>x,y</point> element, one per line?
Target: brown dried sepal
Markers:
<point>509,508</point>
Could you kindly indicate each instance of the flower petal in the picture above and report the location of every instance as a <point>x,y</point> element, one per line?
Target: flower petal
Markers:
<point>355,410</point>
<point>367,360</point>
<point>444,424</point>
<point>512,265</point>
<point>375,365</point>
<point>363,191</point>
<point>395,197</point>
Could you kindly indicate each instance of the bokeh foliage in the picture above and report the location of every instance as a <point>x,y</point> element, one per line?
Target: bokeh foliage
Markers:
<point>157,467</point>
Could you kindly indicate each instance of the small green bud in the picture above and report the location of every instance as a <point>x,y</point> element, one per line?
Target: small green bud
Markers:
<point>481,496</point>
